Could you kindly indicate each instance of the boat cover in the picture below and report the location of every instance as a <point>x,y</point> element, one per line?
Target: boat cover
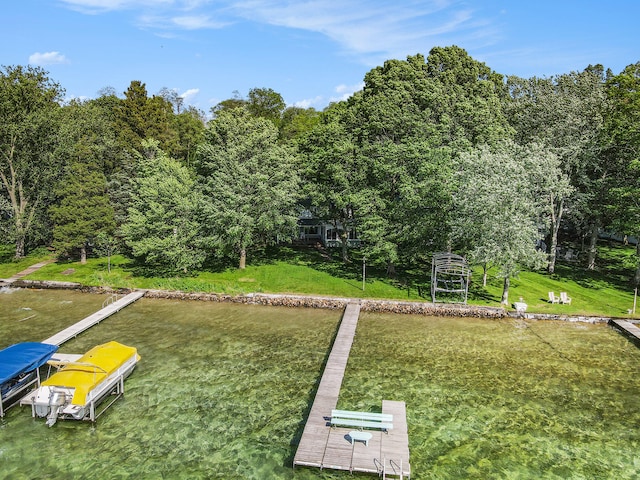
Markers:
<point>23,358</point>
<point>91,369</point>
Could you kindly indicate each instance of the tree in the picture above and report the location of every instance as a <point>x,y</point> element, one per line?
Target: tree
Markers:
<point>622,151</point>
<point>405,207</point>
<point>551,188</point>
<point>250,182</point>
<point>494,215</point>
<point>565,113</point>
<point>84,210</point>
<point>140,117</point>
<point>296,122</point>
<point>266,103</point>
<point>237,101</point>
<point>29,100</point>
<point>189,126</point>
<point>173,97</point>
<point>163,229</point>
<point>85,145</point>
<point>334,173</point>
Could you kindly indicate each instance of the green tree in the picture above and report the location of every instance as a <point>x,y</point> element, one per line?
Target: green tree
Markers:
<point>84,210</point>
<point>236,101</point>
<point>495,214</point>
<point>449,100</point>
<point>566,114</point>
<point>266,103</point>
<point>29,100</point>
<point>296,122</point>
<point>249,180</point>
<point>189,126</point>
<point>140,117</point>
<point>334,173</point>
<point>86,146</point>
<point>622,152</point>
<point>163,229</point>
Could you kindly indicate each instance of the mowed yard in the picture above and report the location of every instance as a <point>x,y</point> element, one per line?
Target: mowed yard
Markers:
<point>606,291</point>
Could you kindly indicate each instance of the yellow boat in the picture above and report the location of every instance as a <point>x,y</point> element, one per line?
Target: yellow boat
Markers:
<point>80,386</point>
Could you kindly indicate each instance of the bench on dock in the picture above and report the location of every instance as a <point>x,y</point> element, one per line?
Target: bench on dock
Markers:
<point>347,418</point>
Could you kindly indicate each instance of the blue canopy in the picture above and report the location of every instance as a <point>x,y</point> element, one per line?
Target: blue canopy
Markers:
<point>23,358</point>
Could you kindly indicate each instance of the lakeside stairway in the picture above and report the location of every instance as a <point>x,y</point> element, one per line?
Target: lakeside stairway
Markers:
<point>93,319</point>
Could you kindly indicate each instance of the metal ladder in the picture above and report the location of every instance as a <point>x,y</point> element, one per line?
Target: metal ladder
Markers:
<point>396,469</point>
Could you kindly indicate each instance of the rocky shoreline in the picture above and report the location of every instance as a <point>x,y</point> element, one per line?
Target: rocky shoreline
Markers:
<point>309,301</point>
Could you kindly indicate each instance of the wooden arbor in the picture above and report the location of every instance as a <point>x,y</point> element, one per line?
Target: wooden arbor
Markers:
<point>450,275</point>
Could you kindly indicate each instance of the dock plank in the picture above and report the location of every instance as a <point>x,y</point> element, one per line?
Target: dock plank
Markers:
<point>86,323</point>
<point>324,446</point>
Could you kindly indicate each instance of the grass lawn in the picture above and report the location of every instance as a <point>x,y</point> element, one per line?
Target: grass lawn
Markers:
<point>9,266</point>
<point>606,291</point>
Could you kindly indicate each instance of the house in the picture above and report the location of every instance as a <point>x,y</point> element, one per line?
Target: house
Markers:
<point>312,230</point>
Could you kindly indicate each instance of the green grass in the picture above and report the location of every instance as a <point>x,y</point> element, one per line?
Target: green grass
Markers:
<point>9,266</point>
<point>605,291</point>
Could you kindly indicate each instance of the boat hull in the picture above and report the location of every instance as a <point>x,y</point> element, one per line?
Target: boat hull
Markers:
<point>80,387</point>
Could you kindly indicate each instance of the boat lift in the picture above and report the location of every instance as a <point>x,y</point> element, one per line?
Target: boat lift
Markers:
<point>20,370</point>
<point>450,276</point>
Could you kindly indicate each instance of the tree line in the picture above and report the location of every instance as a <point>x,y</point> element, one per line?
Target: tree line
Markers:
<point>433,154</point>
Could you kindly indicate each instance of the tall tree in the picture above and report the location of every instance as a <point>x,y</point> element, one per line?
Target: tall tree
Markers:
<point>29,100</point>
<point>334,173</point>
<point>163,229</point>
<point>140,117</point>
<point>495,215</point>
<point>84,210</point>
<point>249,180</point>
<point>566,114</point>
<point>623,152</point>
<point>189,126</point>
<point>85,145</point>
<point>266,103</point>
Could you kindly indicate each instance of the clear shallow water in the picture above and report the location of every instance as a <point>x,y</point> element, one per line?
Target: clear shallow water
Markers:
<point>33,315</point>
<point>222,391</point>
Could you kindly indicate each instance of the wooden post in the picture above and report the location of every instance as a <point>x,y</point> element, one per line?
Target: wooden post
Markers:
<point>635,298</point>
<point>364,272</point>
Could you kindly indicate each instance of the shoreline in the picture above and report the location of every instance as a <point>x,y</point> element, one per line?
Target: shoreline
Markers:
<point>313,301</point>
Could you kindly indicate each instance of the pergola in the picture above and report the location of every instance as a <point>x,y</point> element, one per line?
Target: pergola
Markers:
<point>450,277</point>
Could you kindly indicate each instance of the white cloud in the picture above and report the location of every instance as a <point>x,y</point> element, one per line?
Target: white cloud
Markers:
<point>187,95</point>
<point>179,22</point>
<point>47,58</point>
<point>309,102</point>
<point>197,22</point>
<point>373,30</point>
<point>345,91</point>
<point>101,6</point>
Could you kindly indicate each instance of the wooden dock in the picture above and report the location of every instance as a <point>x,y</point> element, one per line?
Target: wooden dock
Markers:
<point>628,328</point>
<point>324,446</point>
<point>108,310</point>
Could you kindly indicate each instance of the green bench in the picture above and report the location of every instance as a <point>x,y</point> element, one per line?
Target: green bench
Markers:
<point>347,418</point>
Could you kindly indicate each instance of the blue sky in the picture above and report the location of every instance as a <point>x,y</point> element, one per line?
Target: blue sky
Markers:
<point>311,52</point>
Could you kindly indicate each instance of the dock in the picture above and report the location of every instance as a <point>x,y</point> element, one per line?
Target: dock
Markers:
<point>323,446</point>
<point>93,319</point>
<point>628,328</point>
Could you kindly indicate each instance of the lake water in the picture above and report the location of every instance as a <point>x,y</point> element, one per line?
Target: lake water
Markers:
<point>223,390</point>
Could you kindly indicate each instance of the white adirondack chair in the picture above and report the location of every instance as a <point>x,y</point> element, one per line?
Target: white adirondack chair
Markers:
<point>553,298</point>
<point>564,298</point>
